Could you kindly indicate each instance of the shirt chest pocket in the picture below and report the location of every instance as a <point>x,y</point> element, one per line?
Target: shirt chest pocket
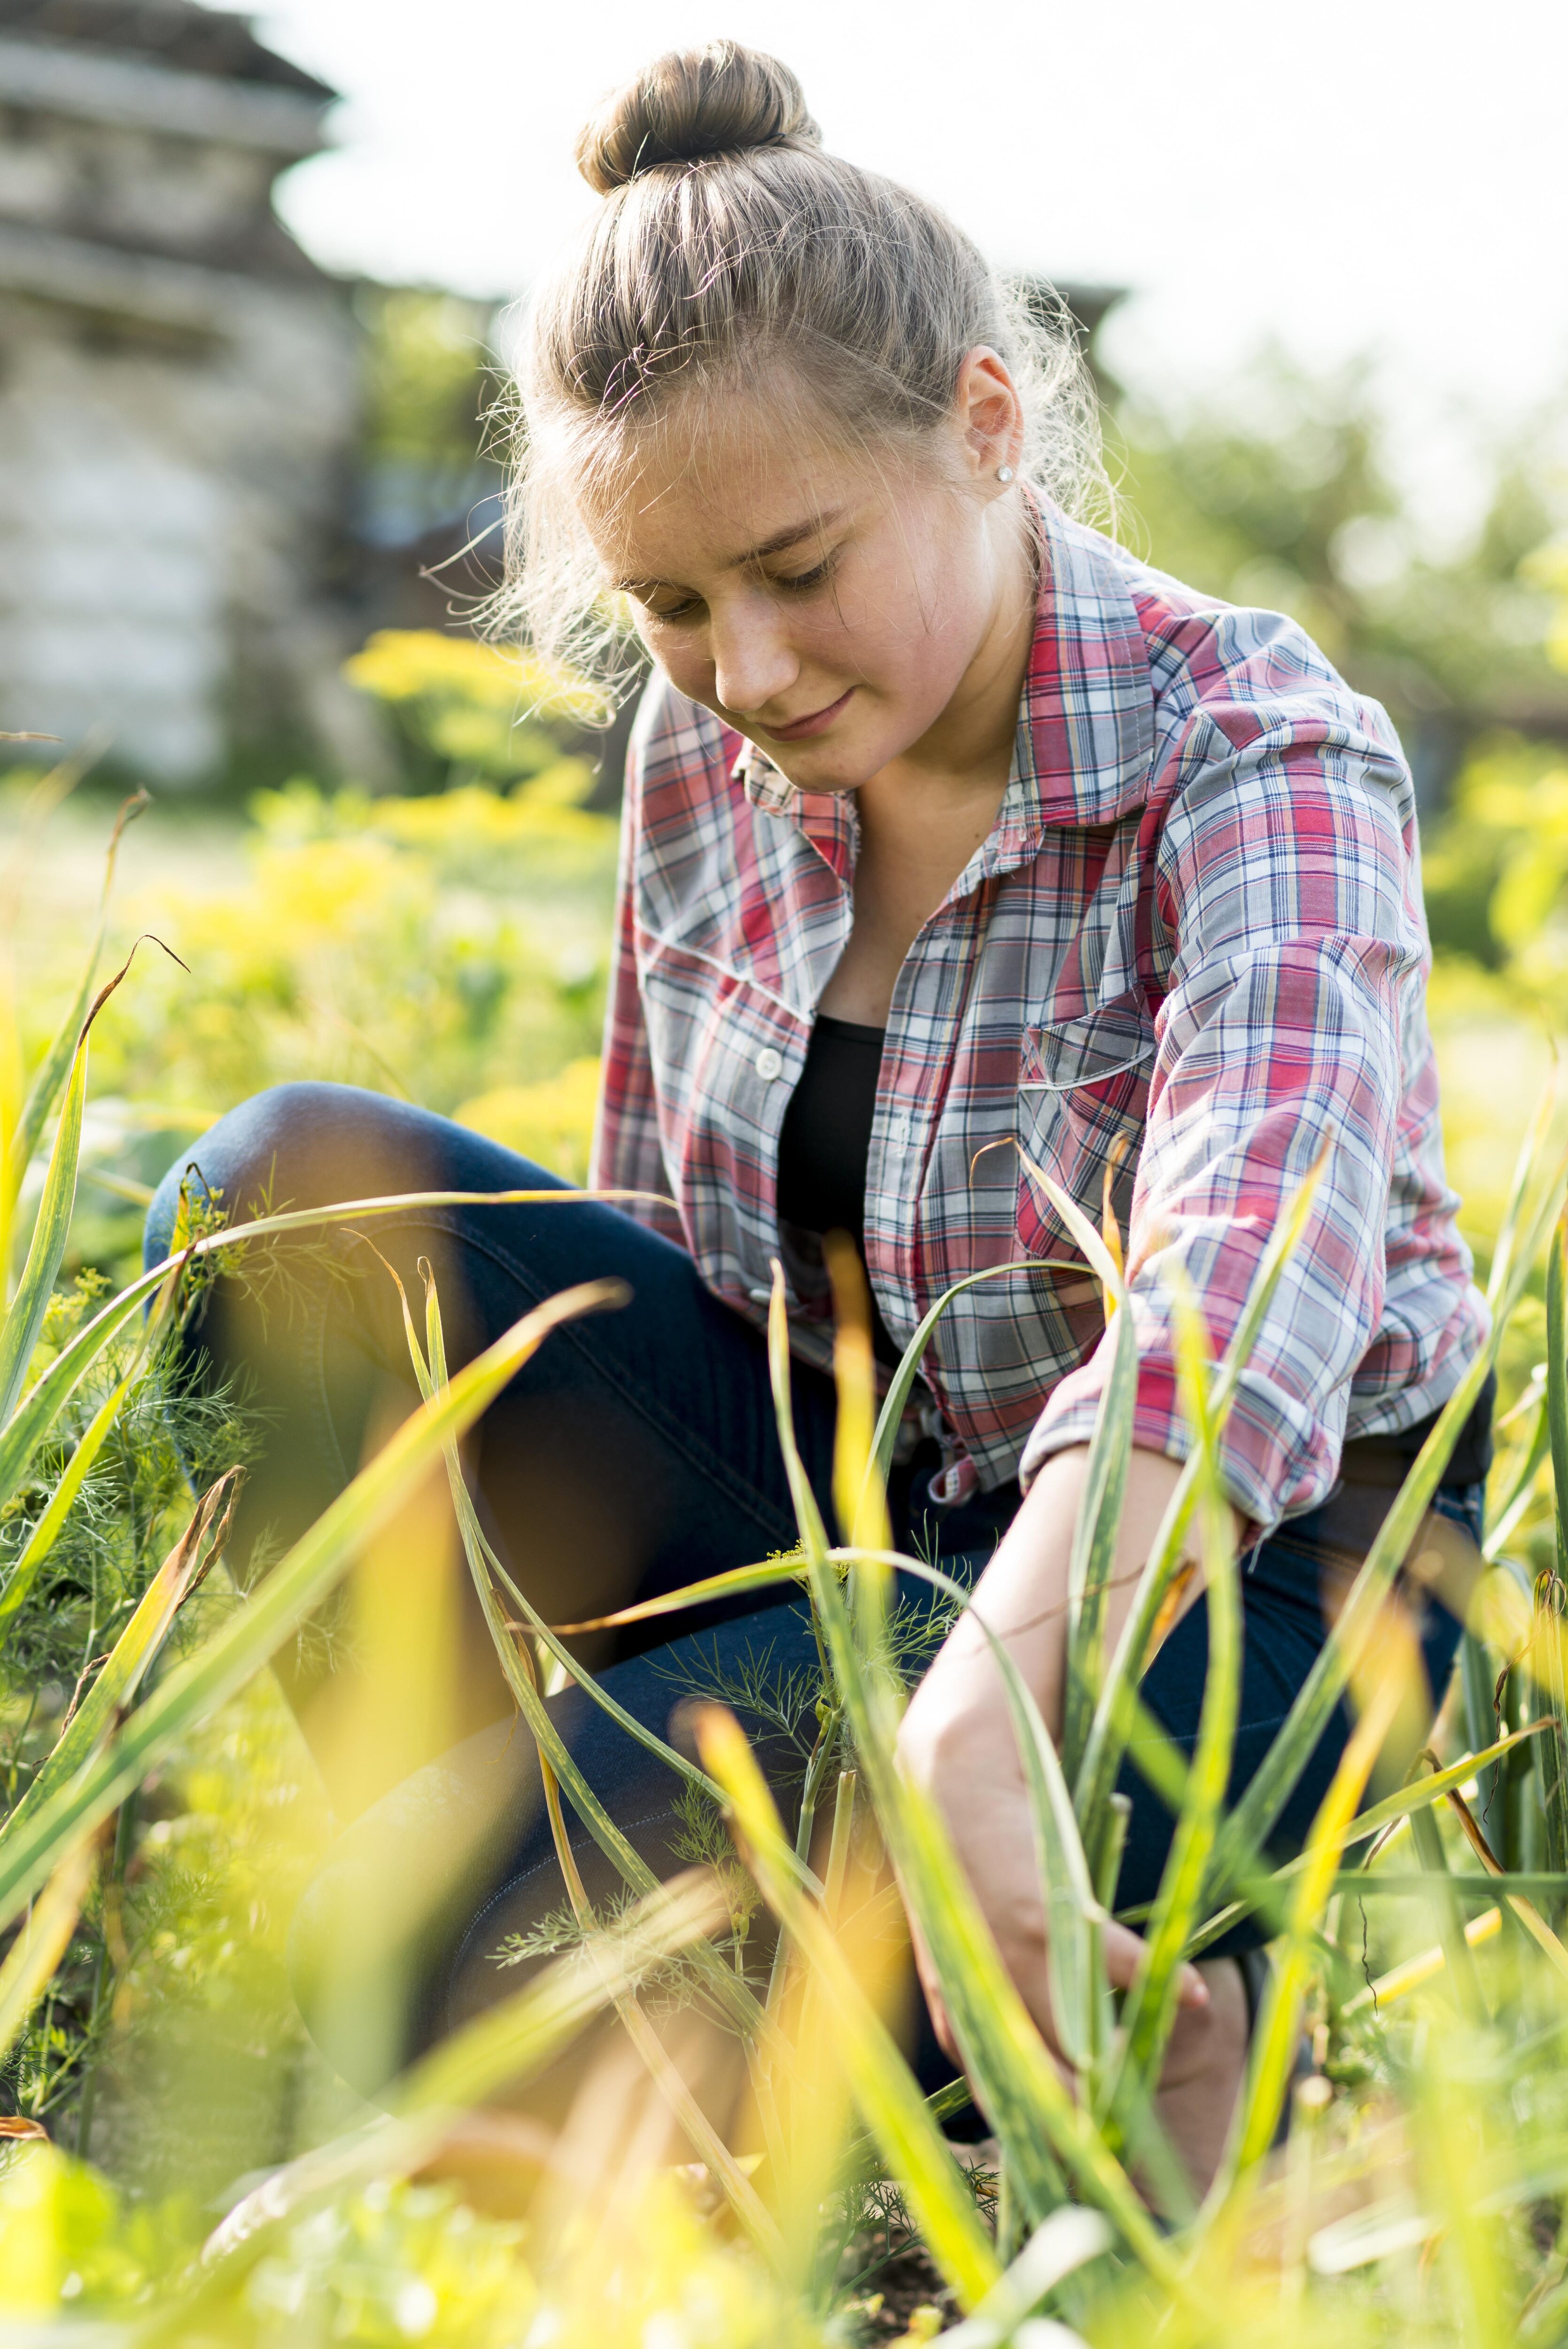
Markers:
<point>1083,1098</point>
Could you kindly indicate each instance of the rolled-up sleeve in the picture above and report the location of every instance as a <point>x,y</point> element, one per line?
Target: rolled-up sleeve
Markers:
<point>1287,893</point>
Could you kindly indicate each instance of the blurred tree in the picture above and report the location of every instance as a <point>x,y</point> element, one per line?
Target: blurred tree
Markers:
<point>1284,496</point>
<point>429,379</point>
<point>1496,871</point>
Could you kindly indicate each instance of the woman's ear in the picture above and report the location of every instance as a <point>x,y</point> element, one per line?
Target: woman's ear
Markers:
<point>989,415</point>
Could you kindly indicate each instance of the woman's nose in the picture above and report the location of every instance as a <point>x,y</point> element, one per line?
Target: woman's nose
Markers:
<point>753,665</point>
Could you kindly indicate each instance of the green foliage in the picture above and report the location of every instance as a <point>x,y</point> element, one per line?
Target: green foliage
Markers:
<point>1283,492</point>
<point>426,385</point>
<point>471,712</point>
<point>1497,869</point>
<point>448,950</point>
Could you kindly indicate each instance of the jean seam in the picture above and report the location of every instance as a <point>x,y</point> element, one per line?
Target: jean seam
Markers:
<point>678,1435</point>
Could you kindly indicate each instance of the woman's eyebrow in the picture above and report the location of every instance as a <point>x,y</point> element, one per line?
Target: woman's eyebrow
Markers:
<point>780,542</point>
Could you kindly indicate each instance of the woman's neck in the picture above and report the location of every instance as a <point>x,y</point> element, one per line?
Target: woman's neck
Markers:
<point>970,746</point>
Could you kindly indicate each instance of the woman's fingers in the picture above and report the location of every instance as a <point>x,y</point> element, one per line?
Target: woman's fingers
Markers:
<point>1125,1952</point>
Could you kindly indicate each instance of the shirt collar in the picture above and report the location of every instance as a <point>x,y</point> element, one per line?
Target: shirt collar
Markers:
<point>1085,720</point>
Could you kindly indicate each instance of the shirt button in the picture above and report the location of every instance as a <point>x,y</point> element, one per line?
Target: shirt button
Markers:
<point>769,1064</point>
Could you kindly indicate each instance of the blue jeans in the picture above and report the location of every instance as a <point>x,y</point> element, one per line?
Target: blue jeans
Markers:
<point>637,1453</point>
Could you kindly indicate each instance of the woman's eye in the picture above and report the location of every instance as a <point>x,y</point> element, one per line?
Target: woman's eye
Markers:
<point>686,609</point>
<point>802,582</point>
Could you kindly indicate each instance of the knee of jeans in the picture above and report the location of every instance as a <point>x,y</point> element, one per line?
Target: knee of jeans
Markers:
<point>267,1151</point>
<point>209,1168</point>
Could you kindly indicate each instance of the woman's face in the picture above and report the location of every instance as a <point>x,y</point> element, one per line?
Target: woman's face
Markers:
<point>829,608</point>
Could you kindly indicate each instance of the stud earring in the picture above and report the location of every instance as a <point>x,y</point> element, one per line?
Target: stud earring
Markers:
<point>1004,472</point>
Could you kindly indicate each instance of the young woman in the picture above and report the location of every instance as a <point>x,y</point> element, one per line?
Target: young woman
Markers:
<point>949,825</point>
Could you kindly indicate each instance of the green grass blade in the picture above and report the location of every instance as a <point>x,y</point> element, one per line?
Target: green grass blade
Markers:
<point>223,1663</point>
<point>1253,1821</point>
<point>1151,2009</point>
<point>1478,1672</point>
<point>1457,1951</point>
<point>883,2088</point>
<point>19,1332</point>
<point>1113,1718</point>
<point>48,1395</point>
<point>1557,1382</point>
<point>1512,1505</point>
<point>1093,1553</point>
<point>733,1996</point>
<point>128,1661</point>
<point>904,1377</point>
<point>42,1404</point>
<point>1013,2074</point>
<point>52,1070</point>
<point>1272,2052</point>
<point>1093,1557</point>
<point>1080,1995</point>
<point>483,1564</point>
<point>42,1539</point>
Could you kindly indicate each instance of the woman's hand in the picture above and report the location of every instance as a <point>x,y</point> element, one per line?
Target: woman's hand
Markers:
<point>957,1738</point>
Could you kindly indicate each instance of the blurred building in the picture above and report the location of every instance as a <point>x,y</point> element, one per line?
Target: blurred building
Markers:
<point>178,393</point>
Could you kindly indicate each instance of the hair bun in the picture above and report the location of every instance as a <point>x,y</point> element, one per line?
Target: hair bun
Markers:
<point>715,101</point>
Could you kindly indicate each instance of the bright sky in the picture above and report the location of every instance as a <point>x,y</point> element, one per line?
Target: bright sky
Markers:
<point>1387,176</point>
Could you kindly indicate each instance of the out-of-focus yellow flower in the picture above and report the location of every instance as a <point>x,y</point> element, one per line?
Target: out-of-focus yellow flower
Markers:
<point>551,1122</point>
<point>493,711</point>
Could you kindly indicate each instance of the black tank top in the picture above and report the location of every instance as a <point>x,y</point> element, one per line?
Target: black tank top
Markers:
<point>827,1136</point>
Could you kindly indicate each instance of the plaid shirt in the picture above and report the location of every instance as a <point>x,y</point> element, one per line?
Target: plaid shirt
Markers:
<point>1194,941</point>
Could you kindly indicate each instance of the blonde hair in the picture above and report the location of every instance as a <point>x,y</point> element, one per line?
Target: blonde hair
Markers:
<point>729,240</point>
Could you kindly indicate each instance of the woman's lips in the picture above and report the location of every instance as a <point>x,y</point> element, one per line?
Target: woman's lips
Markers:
<point>799,727</point>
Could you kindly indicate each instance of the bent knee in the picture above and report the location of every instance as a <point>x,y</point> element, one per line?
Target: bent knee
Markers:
<point>301,1144</point>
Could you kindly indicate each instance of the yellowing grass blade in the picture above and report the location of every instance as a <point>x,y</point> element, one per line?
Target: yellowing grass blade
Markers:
<point>859,1494</point>
<point>121,1674</point>
<point>885,2090</point>
<point>734,1582</point>
<point>1529,1916</point>
<point>1013,2074</point>
<point>1275,2040</point>
<point>509,2044</point>
<point>34,1955</point>
<point>224,1662</point>
<point>1093,1554</point>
